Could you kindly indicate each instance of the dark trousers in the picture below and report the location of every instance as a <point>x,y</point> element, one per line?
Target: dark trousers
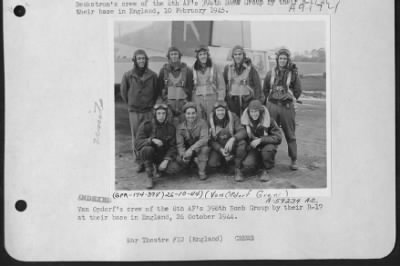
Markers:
<point>264,155</point>
<point>175,115</point>
<point>215,158</point>
<point>135,119</point>
<point>236,106</point>
<point>284,115</point>
<point>150,155</point>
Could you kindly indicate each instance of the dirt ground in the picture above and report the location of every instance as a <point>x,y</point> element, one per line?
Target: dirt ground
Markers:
<point>311,142</point>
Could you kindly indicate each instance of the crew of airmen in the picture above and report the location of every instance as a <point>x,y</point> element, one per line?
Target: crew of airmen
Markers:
<point>198,117</point>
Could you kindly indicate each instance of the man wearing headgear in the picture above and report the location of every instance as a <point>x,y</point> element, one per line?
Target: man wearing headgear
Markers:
<point>263,136</point>
<point>227,139</point>
<point>281,89</point>
<point>192,139</point>
<point>176,84</point>
<point>209,86</point>
<point>140,91</point>
<point>242,81</point>
<point>156,143</point>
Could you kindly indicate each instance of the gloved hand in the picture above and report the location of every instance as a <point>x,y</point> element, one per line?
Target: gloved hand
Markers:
<point>188,154</point>
<point>228,157</point>
<point>229,145</point>
<point>163,165</point>
<point>255,143</point>
<point>157,142</point>
<point>223,152</point>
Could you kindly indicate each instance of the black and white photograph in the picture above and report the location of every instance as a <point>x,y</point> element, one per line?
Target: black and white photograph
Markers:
<point>221,104</point>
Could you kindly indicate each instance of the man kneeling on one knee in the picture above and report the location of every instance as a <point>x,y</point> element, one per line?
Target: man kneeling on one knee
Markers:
<point>264,136</point>
<point>227,139</point>
<point>156,143</point>
<point>192,139</point>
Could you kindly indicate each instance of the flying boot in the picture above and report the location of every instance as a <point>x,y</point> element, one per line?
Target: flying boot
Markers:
<point>294,165</point>
<point>201,165</point>
<point>238,175</point>
<point>265,177</point>
<point>149,171</point>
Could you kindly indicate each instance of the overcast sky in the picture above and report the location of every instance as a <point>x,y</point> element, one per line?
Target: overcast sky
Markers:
<point>295,35</point>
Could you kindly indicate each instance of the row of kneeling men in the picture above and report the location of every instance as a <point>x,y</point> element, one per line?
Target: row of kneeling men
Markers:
<point>249,142</point>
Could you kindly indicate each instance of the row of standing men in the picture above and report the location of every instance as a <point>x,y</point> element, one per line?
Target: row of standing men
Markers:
<point>194,100</point>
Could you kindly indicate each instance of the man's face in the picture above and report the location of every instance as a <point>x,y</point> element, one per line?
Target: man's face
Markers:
<point>254,114</point>
<point>141,60</point>
<point>161,115</point>
<point>238,56</point>
<point>220,113</point>
<point>282,60</point>
<point>174,56</point>
<point>190,115</point>
<point>203,57</point>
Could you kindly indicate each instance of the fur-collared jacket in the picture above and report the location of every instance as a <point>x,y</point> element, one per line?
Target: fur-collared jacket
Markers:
<point>266,129</point>
<point>222,130</point>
